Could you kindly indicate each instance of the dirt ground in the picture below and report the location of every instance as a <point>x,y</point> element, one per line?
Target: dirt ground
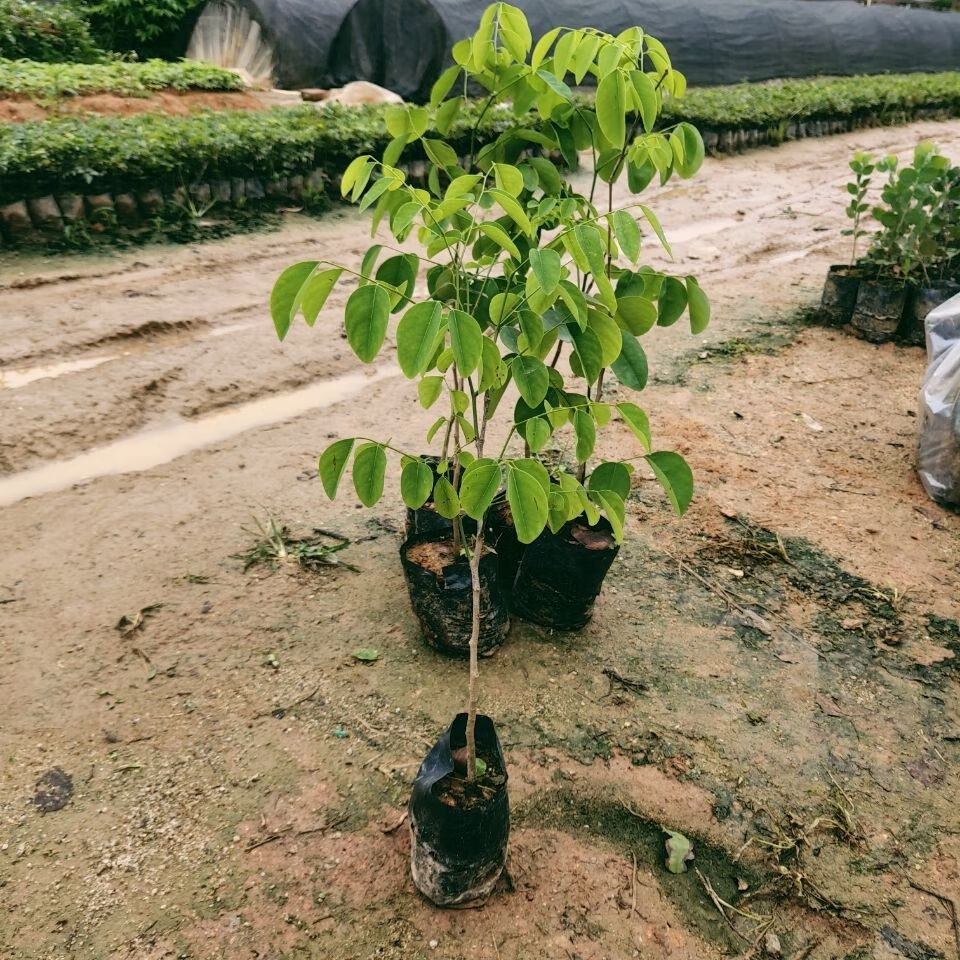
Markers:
<point>22,109</point>
<point>775,675</point>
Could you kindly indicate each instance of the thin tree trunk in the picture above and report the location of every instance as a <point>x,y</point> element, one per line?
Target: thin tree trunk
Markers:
<point>474,657</point>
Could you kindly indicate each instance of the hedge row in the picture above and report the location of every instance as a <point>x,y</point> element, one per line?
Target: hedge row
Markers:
<point>108,154</point>
<point>103,154</point>
<point>763,105</point>
<point>57,80</point>
<point>55,32</point>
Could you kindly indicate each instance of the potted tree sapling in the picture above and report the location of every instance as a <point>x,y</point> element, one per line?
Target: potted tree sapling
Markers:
<point>519,271</point>
<point>843,280</point>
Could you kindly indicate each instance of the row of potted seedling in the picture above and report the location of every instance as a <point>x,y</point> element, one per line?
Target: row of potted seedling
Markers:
<point>535,294</point>
<point>912,264</point>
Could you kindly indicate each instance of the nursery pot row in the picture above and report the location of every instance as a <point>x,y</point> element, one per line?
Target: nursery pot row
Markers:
<point>880,310</point>
<point>553,582</point>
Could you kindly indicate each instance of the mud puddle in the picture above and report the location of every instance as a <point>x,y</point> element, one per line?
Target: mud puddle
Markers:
<point>150,448</point>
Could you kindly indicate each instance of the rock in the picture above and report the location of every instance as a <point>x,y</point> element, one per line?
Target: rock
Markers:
<point>359,93</point>
<point>128,214</point>
<point>45,215</point>
<point>16,223</point>
<point>314,94</point>
<point>71,207</point>
<point>771,945</point>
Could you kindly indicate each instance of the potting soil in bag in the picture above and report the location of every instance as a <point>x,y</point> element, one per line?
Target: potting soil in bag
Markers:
<point>459,847</point>
<point>938,454</point>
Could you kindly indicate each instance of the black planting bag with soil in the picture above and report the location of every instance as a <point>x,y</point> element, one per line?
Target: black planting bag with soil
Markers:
<point>922,302</point>
<point>879,310</point>
<point>441,592</point>
<point>561,574</point>
<point>459,830</point>
<point>839,295</point>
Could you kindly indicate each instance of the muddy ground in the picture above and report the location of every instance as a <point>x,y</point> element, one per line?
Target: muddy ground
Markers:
<point>777,670</point>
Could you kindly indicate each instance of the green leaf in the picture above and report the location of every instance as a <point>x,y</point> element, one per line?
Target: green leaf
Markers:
<point>500,236</point>
<point>647,95</point>
<point>585,428</point>
<point>437,424</point>
<point>637,421</point>
<point>537,433</point>
<point>675,477</point>
<point>612,477</point>
<point>693,152</point>
<point>315,291</point>
<point>479,487</point>
<point>679,852</point>
<point>400,272</point>
<point>508,178</point>
<point>286,297</point>
<point>588,352</point>
<point>445,499</point>
<point>528,503</point>
<point>367,313</point>
<point>440,153</point>
<point>369,470</point>
<point>654,222</point>
<point>416,337</point>
<point>416,483</point>
<point>673,301</point>
<point>429,390</point>
<point>628,234</point>
<point>443,85</point>
<point>550,181</point>
<point>532,379</point>
<point>466,341</point>
<point>492,367</point>
<point>547,267</point>
<point>513,210</point>
<point>543,46</point>
<point>614,508</point>
<point>608,334</point>
<point>699,306</point>
<point>631,366</point>
<point>447,114</point>
<point>333,462</point>
<point>366,655</point>
<point>353,173</point>
<point>611,106</point>
<point>391,155</point>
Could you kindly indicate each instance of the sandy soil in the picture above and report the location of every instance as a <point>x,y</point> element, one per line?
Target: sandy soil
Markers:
<point>15,109</point>
<point>234,769</point>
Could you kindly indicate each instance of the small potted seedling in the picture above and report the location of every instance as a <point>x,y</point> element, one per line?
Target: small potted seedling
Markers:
<point>843,280</point>
<point>520,275</point>
<point>906,244</point>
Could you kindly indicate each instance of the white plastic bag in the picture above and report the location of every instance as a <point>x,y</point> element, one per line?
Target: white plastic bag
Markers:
<point>938,454</point>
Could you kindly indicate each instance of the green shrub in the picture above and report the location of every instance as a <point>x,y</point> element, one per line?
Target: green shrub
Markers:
<point>48,32</point>
<point>758,105</point>
<point>56,80</point>
<point>144,26</point>
<point>93,153</point>
<point>87,154</point>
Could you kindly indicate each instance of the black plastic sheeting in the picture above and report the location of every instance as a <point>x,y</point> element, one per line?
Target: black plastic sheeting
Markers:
<point>404,44</point>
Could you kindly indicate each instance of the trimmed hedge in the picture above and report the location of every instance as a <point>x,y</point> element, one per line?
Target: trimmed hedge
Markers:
<point>762,105</point>
<point>112,154</point>
<point>93,154</point>
<point>58,80</point>
<point>46,31</point>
